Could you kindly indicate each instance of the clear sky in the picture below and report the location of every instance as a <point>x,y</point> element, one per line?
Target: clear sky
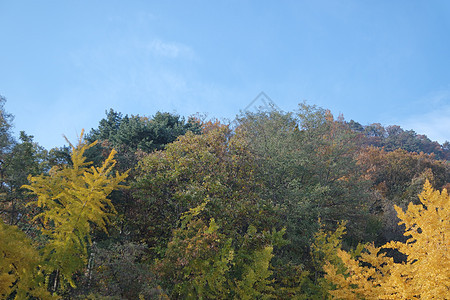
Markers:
<point>63,63</point>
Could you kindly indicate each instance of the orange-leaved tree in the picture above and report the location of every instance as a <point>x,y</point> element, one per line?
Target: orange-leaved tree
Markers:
<point>426,272</point>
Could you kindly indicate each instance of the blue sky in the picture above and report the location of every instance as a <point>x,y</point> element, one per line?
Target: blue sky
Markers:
<point>63,63</point>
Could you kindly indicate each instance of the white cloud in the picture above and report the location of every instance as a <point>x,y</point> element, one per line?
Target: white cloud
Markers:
<point>169,49</point>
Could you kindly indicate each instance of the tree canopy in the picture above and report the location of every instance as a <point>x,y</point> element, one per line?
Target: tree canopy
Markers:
<point>276,205</point>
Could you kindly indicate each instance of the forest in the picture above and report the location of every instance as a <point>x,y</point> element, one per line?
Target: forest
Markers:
<point>274,205</point>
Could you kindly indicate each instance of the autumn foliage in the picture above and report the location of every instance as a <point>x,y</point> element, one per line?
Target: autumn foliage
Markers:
<point>426,272</point>
<point>297,205</point>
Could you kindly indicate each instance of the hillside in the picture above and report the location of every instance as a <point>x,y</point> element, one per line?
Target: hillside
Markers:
<point>275,205</point>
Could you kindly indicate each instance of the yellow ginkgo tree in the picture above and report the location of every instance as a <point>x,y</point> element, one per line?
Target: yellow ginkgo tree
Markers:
<point>426,272</point>
<point>20,276</point>
<point>72,199</point>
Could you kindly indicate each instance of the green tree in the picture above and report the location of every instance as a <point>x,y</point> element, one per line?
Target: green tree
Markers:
<point>133,137</point>
<point>214,165</point>
<point>130,134</point>
<point>6,143</point>
<point>6,139</point>
<point>308,169</point>
<point>18,159</point>
<point>25,158</point>
<point>197,260</point>
<point>202,263</point>
<point>253,270</point>
<point>119,269</point>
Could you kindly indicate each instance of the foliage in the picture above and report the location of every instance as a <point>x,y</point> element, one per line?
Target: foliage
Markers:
<point>224,211</point>
<point>119,269</point>
<point>72,199</point>
<point>424,275</point>
<point>24,158</point>
<point>397,177</point>
<point>393,137</point>
<point>201,262</point>
<point>214,165</point>
<point>255,282</point>
<point>18,159</point>
<point>6,139</point>
<point>134,137</point>
<point>292,281</point>
<point>129,135</point>
<point>392,172</point>
<point>197,259</point>
<point>20,275</point>
<point>324,250</point>
<point>6,143</point>
<point>307,169</point>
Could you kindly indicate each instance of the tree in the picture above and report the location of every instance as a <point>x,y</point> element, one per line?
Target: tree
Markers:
<point>18,159</point>
<point>426,272</point>
<point>6,143</point>
<point>6,139</point>
<point>141,133</point>
<point>393,137</point>
<point>324,250</point>
<point>24,158</point>
<point>307,169</point>
<point>201,263</point>
<point>134,137</point>
<point>20,275</point>
<point>119,269</point>
<point>227,248</point>
<point>72,200</point>
<point>397,177</point>
<point>214,165</point>
<point>197,259</point>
